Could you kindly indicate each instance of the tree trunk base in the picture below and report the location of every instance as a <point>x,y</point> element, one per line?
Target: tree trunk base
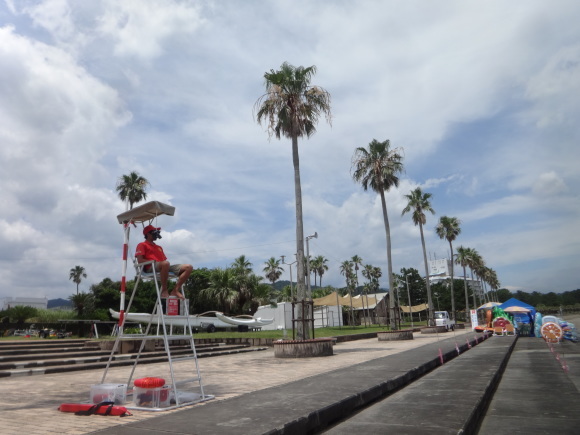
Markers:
<point>303,348</point>
<point>433,329</point>
<point>404,334</point>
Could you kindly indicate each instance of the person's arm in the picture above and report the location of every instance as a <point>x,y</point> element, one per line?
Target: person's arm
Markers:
<point>140,253</point>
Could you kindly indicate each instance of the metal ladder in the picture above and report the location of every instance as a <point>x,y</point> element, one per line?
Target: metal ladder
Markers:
<point>179,397</point>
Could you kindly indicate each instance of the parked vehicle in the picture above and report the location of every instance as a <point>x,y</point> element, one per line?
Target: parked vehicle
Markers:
<point>442,319</point>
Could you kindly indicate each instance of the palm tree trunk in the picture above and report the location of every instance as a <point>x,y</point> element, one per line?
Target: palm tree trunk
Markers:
<point>390,306</point>
<point>467,315</point>
<point>452,293</point>
<point>429,300</point>
<point>302,332</point>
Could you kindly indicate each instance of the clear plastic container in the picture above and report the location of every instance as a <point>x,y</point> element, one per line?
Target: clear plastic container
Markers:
<point>116,393</point>
<point>159,397</point>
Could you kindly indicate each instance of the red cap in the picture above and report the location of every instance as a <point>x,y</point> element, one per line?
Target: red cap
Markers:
<point>148,229</point>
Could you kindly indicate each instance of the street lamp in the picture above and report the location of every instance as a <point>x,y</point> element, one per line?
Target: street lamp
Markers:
<point>409,296</point>
<point>291,285</point>
<point>436,296</point>
<point>314,236</point>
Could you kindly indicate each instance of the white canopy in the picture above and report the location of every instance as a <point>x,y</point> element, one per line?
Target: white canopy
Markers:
<point>146,212</point>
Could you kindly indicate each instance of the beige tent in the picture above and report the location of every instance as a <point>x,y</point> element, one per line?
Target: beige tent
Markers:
<point>357,301</point>
<point>414,308</point>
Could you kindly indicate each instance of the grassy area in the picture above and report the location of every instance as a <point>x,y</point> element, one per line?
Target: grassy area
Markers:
<point>318,332</point>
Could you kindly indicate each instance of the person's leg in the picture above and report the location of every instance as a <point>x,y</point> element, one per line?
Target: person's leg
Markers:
<point>163,268</point>
<point>184,272</point>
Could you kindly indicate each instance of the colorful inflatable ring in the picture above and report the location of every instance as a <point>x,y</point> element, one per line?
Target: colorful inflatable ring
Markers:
<point>149,382</point>
<point>500,322</point>
<point>551,332</point>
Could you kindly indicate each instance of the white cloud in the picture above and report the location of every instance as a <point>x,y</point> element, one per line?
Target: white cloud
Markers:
<point>480,96</point>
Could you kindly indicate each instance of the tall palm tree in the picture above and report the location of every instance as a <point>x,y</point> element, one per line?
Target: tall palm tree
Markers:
<point>448,228</point>
<point>377,168</point>
<point>241,277</point>
<point>346,270</point>
<point>321,267</point>
<point>291,108</point>
<point>463,258</point>
<point>131,188</point>
<point>356,262</point>
<point>273,270</point>
<point>476,264</point>
<point>77,274</point>
<point>419,203</point>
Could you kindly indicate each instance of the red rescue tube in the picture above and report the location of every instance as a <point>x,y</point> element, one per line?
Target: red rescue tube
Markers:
<point>104,408</point>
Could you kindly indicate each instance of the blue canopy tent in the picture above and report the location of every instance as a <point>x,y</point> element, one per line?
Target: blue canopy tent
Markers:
<point>519,317</point>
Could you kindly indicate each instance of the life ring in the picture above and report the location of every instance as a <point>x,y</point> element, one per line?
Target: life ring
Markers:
<point>149,382</point>
<point>552,332</point>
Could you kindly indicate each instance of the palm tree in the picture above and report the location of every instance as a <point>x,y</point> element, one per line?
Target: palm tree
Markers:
<point>291,108</point>
<point>476,264</point>
<point>448,228</point>
<point>83,303</point>
<point>377,168</point>
<point>221,288</point>
<point>346,270</point>
<point>241,276</point>
<point>77,274</point>
<point>321,267</point>
<point>463,258</point>
<point>273,270</point>
<point>131,188</point>
<point>419,203</point>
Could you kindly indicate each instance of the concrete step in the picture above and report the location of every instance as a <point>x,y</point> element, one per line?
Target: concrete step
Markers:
<point>91,349</point>
<point>41,367</point>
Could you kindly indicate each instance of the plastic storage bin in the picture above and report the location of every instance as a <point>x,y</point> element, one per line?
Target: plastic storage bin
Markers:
<point>109,393</point>
<point>159,397</point>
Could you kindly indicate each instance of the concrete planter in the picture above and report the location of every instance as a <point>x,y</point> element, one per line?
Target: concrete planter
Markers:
<point>433,329</point>
<point>127,346</point>
<point>404,334</point>
<point>303,348</point>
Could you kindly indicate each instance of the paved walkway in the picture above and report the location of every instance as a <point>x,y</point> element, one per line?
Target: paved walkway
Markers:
<point>29,404</point>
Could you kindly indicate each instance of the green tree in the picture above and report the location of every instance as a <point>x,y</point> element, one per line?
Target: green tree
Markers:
<point>449,228</point>
<point>378,168</point>
<point>221,288</point>
<point>320,266</point>
<point>463,259</point>
<point>77,274</point>
<point>131,188</point>
<point>83,303</point>
<point>346,269</point>
<point>273,270</point>
<point>20,313</point>
<point>291,108</point>
<point>419,203</point>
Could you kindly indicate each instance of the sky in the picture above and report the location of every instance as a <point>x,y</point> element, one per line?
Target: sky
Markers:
<point>481,98</point>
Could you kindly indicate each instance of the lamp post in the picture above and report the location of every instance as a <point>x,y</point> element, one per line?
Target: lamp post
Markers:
<point>436,296</point>
<point>291,285</point>
<point>314,236</point>
<point>409,296</point>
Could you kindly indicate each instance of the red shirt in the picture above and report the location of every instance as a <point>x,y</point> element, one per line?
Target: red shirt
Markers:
<point>150,251</point>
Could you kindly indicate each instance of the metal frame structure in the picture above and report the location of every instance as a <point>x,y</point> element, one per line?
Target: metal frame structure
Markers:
<point>147,213</point>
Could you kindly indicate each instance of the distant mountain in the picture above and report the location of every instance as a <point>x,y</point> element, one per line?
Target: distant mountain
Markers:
<point>55,303</point>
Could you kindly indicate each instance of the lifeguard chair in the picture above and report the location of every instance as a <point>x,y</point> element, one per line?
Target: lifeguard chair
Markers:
<point>161,315</point>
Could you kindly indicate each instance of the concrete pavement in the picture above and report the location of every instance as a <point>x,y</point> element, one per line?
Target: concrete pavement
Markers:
<point>257,393</point>
<point>29,404</point>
